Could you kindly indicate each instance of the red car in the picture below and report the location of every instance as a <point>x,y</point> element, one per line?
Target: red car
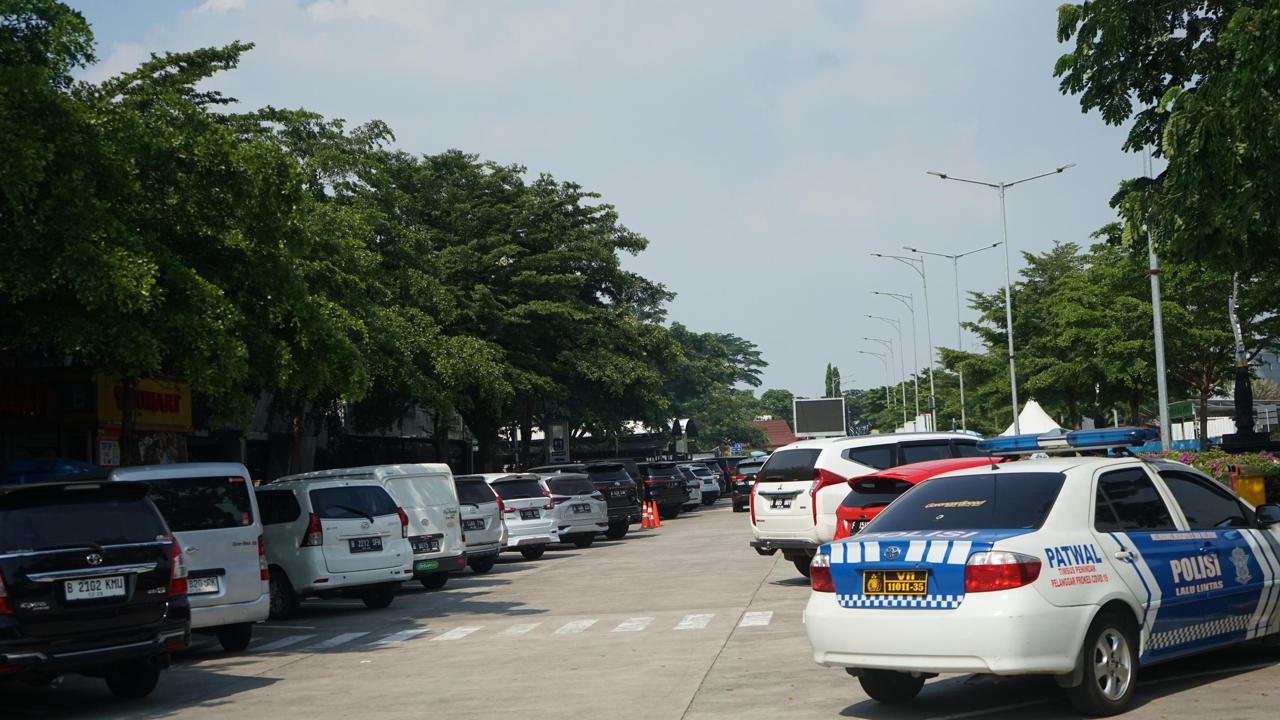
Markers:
<point>871,493</point>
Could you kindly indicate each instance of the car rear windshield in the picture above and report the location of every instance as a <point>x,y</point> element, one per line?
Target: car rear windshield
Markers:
<point>748,469</point>
<point>571,486</point>
<point>607,473</point>
<point>517,489</point>
<point>52,517</point>
<point>789,466</point>
<point>352,501</point>
<point>660,471</point>
<point>993,501</point>
<point>701,471</point>
<point>474,492</point>
<point>203,503</point>
<point>871,492</point>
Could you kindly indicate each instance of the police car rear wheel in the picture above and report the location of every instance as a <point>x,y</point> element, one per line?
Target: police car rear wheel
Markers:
<point>889,686</point>
<point>1110,668</point>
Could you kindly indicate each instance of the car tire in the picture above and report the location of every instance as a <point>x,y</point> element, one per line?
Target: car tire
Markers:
<point>481,565</point>
<point>737,507</point>
<point>434,581</point>
<point>532,553</point>
<point>890,686</point>
<point>235,638</point>
<point>802,565</point>
<point>583,541</point>
<point>617,531</point>
<point>284,601</point>
<point>669,513</point>
<point>132,680</point>
<point>1110,667</point>
<point>379,597</point>
<point>709,503</point>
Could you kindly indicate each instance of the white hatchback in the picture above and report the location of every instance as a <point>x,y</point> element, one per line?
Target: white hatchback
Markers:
<point>527,512</point>
<point>1083,568</point>
<point>333,537</point>
<point>580,509</point>
<point>482,524</point>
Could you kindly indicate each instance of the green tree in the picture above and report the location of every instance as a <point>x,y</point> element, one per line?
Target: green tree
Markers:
<point>780,404</point>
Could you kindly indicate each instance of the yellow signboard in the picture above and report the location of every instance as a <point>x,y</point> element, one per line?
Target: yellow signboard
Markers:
<point>157,404</point>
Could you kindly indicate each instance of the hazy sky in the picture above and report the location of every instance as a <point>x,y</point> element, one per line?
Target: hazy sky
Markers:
<point>764,148</point>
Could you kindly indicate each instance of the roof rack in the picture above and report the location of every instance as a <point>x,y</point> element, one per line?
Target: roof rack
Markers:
<point>1058,441</point>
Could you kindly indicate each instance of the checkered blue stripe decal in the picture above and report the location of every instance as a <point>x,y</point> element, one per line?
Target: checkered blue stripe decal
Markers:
<point>942,602</point>
<point>1195,633</point>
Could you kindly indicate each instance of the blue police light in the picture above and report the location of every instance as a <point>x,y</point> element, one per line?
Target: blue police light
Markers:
<point>1020,443</point>
<point>1057,440</point>
<point>1111,437</point>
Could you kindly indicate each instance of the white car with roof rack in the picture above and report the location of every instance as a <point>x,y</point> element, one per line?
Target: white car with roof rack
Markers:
<point>1083,568</point>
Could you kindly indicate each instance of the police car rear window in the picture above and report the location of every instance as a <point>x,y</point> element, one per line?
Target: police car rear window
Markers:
<point>789,466</point>
<point>993,501</point>
<point>871,492</point>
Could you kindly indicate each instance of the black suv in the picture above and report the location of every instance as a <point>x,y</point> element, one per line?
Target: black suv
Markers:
<point>664,485</point>
<point>91,582</point>
<point>619,490</point>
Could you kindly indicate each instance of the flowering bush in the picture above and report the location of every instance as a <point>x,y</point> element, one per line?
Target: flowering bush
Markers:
<point>1217,464</point>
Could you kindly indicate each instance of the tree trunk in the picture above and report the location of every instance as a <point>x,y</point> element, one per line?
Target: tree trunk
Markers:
<point>440,436</point>
<point>525,459</point>
<point>128,419</point>
<point>1135,410</point>
<point>295,443</point>
<point>1203,420</point>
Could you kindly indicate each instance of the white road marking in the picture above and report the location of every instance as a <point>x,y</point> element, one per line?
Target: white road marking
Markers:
<point>283,643</point>
<point>635,624</point>
<point>286,627</point>
<point>521,629</point>
<point>694,622</point>
<point>400,637</point>
<point>457,633</point>
<point>756,619</point>
<point>337,641</point>
<point>575,627</point>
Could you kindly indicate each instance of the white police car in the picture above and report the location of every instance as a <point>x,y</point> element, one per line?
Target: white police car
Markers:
<point>1084,568</point>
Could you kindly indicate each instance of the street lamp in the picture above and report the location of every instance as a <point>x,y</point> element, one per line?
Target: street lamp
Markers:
<point>928,326</point>
<point>902,361</point>
<point>887,381</point>
<point>1008,278</point>
<point>955,268</point>
<point>910,304</point>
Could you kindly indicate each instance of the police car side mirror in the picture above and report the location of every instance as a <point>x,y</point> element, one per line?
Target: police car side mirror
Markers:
<point>1268,515</point>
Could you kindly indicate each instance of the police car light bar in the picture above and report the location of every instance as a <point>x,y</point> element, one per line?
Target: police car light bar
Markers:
<point>1058,441</point>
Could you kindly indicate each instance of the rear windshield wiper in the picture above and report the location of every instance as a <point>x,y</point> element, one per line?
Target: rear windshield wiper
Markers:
<point>350,509</point>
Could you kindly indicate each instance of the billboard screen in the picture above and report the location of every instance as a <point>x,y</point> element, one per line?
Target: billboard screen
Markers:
<point>822,417</point>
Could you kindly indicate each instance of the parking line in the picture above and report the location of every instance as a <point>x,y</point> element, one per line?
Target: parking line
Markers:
<point>283,643</point>
<point>756,619</point>
<point>575,627</point>
<point>694,622</point>
<point>457,633</point>
<point>337,640</point>
<point>635,624</point>
<point>400,637</point>
<point>520,629</point>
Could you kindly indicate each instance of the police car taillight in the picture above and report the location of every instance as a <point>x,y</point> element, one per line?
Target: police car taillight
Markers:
<point>999,570</point>
<point>820,574</point>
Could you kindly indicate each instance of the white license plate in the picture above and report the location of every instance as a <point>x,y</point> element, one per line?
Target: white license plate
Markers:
<point>94,588</point>
<point>202,585</point>
<point>780,504</point>
<point>529,515</point>
<point>582,508</point>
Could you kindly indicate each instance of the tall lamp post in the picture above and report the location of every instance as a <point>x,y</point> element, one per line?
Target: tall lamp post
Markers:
<point>1008,277</point>
<point>955,268</point>
<point>917,264</point>
<point>888,346</point>
<point>910,304</point>
<point>885,362</point>
<point>901,358</point>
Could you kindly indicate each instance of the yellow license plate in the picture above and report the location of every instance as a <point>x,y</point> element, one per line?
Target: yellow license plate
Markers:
<point>895,582</point>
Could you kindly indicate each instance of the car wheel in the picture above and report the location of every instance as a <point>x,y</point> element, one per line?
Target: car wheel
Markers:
<point>616,531</point>
<point>583,541</point>
<point>890,686</point>
<point>1110,667</point>
<point>133,680</point>
<point>737,506</point>
<point>802,565</point>
<point>234,638</point>
<point>284,601</point>
<point>481,565</point>
<point>532,553</point>
<point>379,597</point>
<point>712,501</point>
<point>669,513</point>
<point>435,581</point>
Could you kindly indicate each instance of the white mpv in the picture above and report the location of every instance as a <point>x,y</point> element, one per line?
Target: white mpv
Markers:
<point>482,525</point>
<point>211,509</point>
<point>527,512</point>
<point>580,511</point>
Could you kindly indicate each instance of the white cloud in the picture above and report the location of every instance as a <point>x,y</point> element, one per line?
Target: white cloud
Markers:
<point>220,6</point>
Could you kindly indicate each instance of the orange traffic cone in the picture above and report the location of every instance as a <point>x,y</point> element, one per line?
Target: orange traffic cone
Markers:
<point>657,516</point>
<point>645,522</point>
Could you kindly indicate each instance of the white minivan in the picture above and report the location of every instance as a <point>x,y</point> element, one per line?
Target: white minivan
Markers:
<point>580,509</point>
<point>527,512</point>
<point>211,509</point>
<point>482,524</point>
<point>426,493</point>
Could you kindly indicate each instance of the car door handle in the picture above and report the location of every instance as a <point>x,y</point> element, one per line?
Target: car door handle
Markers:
<point>191,549</point>
<point>1125,555</point>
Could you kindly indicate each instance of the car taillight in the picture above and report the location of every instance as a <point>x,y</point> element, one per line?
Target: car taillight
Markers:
<point>820,574</point>
<point>752,500</point>
<point>404,522</point>
<point>822,478</point>
<point>6,606</point>
<point>737,478</point>
<point>177,570</point>
<point>559,499</point>
<point>314,536</point>
<point>502,507</point>
<point>550,503</point>
<point>999,570</point>
<point>651,481</point>
<point>263,571</point>
<point>597,496</point>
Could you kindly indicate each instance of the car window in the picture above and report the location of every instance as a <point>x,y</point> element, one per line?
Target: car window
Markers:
<point>660,471</point>
<point>607,473</point>
<point>1206,504</point>
<point>789,466</point>
<point>571,486</point>
<point>474,492</point>
<point>518,489</point>
<point>278,506</point>
<point>920,452</point>
<point>422,491</point>
<point>991,501</point>
<point>968,449</point>
<point>1128,500</point>
<point>351,501</point>
<point>748,470</point>
<point>870,492</point>
<point>879,457</point>
<point>203,503</point>
<point>52,517</point>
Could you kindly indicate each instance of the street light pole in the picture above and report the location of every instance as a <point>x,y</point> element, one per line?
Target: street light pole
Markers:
<point>910,304</point>
<point>888,345</point>
<point>884,362</point>
<point>955,269</point>
<point>928,327</point>
<point>1157,322</point>
<point>902,362</point>
<point>1008,273</point>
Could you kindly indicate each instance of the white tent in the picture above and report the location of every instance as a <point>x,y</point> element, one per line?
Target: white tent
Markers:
<point>1033,420</point>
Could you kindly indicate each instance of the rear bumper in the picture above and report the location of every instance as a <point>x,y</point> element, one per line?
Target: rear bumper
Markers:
<point>519,541</point>
<point>353,579</point>
<point>430,566</point>
<point>36,657</point>
<point>1010,632</point>
<point>629,513</point>
<point>767,546</point>
<point>711,495</point>
<point>231,613</point>
<point>590,527</point>
<point>481,550</point>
